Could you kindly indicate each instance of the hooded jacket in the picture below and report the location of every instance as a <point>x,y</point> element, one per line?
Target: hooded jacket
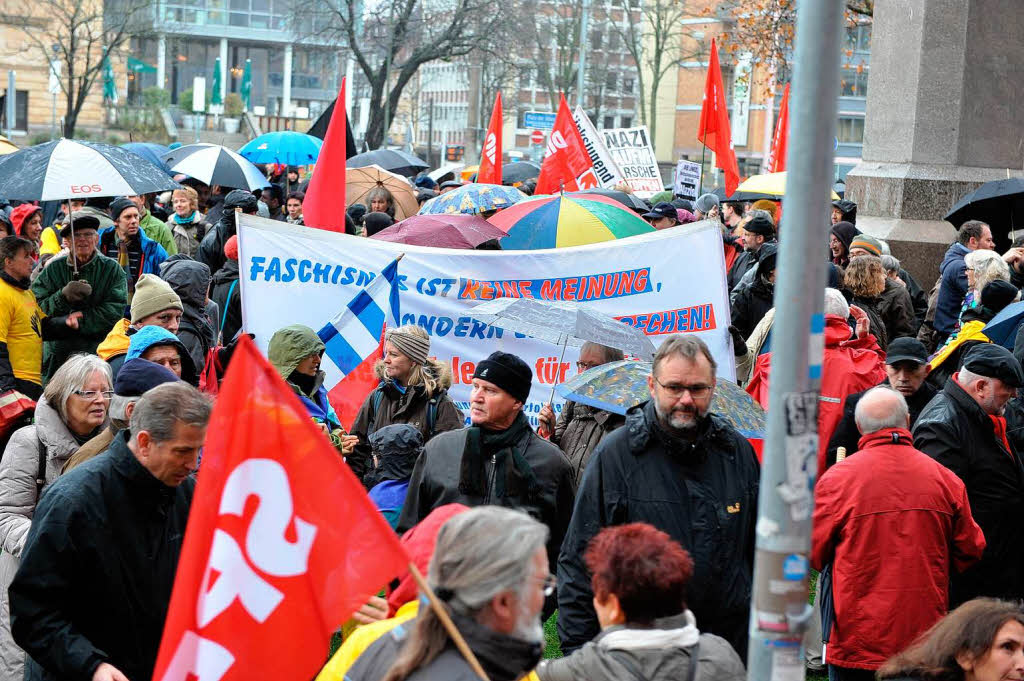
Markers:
<point>387,405</point>
<point>659,653</point>
<point>703,494</point>
<point>892,522</point>
<point>849,365</point>
<point>955,431</point>
<point>751,303</point>
<point>844,232</point>
<point>148,336</point>
<point>153,254</point>
<point>22,213</point>
<point>952,288</point>
<point>578,431</point>
<point>896,308</point>
<point>156,230</point>
<point>288,347</point>
<point>98,567</point>
<point>229,301</point>
<point>191,281</point>
<point>188,235</point>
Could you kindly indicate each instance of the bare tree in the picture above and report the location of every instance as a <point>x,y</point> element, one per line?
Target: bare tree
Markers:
<point>76,33</point>
<point>391,39</point>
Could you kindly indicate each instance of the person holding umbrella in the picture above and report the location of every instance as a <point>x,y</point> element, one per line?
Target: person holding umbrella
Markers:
<point>83,280</point>
<point>211,249</point>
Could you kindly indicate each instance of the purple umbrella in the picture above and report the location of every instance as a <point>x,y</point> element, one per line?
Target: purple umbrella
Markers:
<point>441,231</point>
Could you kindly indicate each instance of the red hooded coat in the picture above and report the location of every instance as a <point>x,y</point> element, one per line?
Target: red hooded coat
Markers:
<point>892,521</point>
<point>22,213</point>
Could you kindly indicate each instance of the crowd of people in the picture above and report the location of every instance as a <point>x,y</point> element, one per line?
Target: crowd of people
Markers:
<point>118,320</point>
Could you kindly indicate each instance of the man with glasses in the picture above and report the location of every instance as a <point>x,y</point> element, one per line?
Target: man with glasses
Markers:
<point>681,468</point>
<point>580,427</point>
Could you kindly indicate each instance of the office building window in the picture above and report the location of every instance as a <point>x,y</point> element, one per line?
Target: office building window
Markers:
<point>611,80</point>
<point>858,38</point>
<point>851,130</point>
<point>627,121</point>
<point>854,82</point>
<point>609,122</point>
<point>20,110</point>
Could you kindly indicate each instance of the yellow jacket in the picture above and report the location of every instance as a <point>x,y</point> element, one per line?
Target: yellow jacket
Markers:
<point>361,639</point>
<point>971,331</point>
<point>117,341</point>
<point>50,242</point>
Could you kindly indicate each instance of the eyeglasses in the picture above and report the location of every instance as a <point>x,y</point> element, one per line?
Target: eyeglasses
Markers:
<point>91,394</point>
<point>675,391</point>
<point>583,366</point>
<point>550,582</point>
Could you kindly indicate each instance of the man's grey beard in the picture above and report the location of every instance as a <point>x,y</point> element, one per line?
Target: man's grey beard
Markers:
<point>679,427</point>
<point>529,629</point>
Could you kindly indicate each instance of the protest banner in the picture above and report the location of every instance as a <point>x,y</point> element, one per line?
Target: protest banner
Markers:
<point>631,150</point>
<point>295,275</point>
<point>687,184</point>
<point>607,171</point>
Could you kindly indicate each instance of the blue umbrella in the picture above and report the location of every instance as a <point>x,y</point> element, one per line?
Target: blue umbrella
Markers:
<point>151,152</point>
<point>1003,327</point>
<point>285,148</point>
<point>473,199</point>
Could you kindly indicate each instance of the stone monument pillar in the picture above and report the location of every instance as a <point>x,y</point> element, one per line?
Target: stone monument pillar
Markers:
<point>945,113</point>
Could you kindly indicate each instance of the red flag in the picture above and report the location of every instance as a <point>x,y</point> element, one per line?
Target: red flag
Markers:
<point>348,395</point>
<point>777,157</point>
<point>490,157</point>
<point>567,165</point>
<point>282,542</point>
<point>324,205</point>
<point>713,130</point>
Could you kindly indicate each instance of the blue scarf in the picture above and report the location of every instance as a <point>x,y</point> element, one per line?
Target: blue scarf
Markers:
<point>320,409</point>
<point>178,220</point>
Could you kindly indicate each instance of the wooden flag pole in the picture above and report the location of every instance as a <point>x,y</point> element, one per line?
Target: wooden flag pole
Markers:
<point>442,614</point>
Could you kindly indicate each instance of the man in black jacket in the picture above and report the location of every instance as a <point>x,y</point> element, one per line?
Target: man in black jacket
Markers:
<point>211,249</point>
<point>963,429</point>
<point>684,470</point>
<point>906,364</point>
<point>92,591</point>
<point>759,229</point>
<point>498,460</point>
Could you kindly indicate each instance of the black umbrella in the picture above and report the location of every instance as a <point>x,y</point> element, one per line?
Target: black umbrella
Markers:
<point>999,203</point>
<point>631,201</point>
<point>519,171</point>
<point>397,162</point>
<point>742,196</point>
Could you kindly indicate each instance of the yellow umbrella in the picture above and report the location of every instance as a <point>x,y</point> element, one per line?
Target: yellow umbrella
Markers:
<point>6,146</point>
<point>769,183</point>
<point>361,181</point>
<point>468,171</point>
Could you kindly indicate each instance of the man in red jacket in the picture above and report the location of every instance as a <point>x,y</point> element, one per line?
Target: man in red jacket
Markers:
<point>891,521</point>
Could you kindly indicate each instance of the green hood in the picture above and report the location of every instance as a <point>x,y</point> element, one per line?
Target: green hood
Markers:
<point>291,345</point>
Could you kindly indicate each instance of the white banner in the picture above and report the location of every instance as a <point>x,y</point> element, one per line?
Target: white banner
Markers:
<point>687,184</point>
<point>633,154</point>
<point>607,171</point>
<point>740,120</point>
<point>299,275</point>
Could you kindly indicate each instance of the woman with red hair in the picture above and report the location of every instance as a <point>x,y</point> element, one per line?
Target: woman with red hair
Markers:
<point>640,578</point>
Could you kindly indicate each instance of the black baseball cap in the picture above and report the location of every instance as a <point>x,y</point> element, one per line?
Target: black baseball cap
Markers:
<point>662,210</point>
<point>906,350</point>
<point>80,222</point>
<point>994,361</point>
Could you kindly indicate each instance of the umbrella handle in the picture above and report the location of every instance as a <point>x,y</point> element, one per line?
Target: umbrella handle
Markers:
<point>559,364</point>
<point>71,246</point>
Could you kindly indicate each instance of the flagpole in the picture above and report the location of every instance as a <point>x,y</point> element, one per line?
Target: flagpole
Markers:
<point>442,614</point>
<point>700,182</point>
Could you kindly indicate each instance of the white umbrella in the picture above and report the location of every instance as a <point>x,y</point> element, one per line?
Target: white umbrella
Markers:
<point>214,164</point>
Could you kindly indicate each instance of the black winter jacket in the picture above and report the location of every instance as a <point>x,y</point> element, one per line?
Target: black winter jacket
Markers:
<point>957,433</point>
<point>704,495</point>
<point>191,281</point>
<point>750,304</point>
<point>230,307</point>
<point>96,574</point>
<point>211,248</point>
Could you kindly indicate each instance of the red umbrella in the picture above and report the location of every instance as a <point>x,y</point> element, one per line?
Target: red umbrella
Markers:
<point>441,231</point>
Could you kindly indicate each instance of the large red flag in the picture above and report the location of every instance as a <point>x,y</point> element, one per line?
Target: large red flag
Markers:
<point>324,205</point>
<point>490,157</point>
<point>567,165</point>
<point>777,157</point>
<point>348,395</point>
<point>282,542</point>
<point>713,130</point>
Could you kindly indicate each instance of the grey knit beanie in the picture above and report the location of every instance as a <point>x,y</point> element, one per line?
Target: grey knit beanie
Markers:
<point>411,341</point>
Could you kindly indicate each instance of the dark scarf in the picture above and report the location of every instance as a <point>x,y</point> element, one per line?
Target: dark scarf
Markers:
<point>686,448</point>
<point>512,480</point>
<point>503,657</point>
<point>305,383</point>
<point>22,284</point>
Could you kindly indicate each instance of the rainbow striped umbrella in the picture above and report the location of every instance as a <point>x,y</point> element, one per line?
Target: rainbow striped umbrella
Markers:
<point>559,221</point>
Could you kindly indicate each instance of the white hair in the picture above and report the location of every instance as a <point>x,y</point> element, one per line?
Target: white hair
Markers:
<point>894,417</point>
<point>836,304</point>
<point>988,266</point>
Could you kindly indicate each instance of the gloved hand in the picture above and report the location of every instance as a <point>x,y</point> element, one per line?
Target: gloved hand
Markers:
<point>739,345</point>
<point>76,292</point>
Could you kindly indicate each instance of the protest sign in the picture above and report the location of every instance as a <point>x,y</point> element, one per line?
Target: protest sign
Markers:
<point>608,173</point>
<point>631,150</point>
<point>663,282</point>
<point>687,184</point>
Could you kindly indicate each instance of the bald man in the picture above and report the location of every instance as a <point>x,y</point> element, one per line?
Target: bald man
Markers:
<point>890,589</point>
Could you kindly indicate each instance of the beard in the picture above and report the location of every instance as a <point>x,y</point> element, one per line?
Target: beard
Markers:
<point>529,629</point>
<point>679,420</point>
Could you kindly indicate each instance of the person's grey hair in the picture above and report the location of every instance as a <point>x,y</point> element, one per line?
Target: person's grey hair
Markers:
<point>967,378</point>
<point>890,264</point>
<point>119,410</point>
<point>686,346</point>
<point>607,354</point>
<point>896,417</point>
<point>988,266</point>
<point>162,407</point>
<point>763,213</point>
<point>71,376</point>
<point>836,304</point>
<point>484,552</point>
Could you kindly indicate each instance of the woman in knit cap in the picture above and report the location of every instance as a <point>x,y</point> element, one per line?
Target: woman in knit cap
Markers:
<point>839,242</point>
<point>413,389</point>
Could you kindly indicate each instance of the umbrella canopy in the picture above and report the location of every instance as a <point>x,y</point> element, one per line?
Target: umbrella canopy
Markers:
<point>473,199</point>
<point>742,196</point>
<point>151,152</point>
<point>391,160</point>
<point>213,164</point>
<point>7,146</point>
<point>630,201</point>
<point>287,147</point>
<point>65,169</point>
<point>519,171</point>
<point>1000,204</point>
<point>559,221</point>
<point>441,231</point>
<point>445,172</point>
<point>773,185</point>
<point>1002,329</point>
<point>617,386</point>
<point>215,98</point>
<point>562,323</point>
<point>361,181</point>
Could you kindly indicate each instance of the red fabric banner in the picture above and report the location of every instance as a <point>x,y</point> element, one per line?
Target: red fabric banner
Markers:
<point>777,157</point>
<point>490,157</point>
<point>713,130</point>
<point>282,545</point>
<point>324,205</point>
<point>567,165</point>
